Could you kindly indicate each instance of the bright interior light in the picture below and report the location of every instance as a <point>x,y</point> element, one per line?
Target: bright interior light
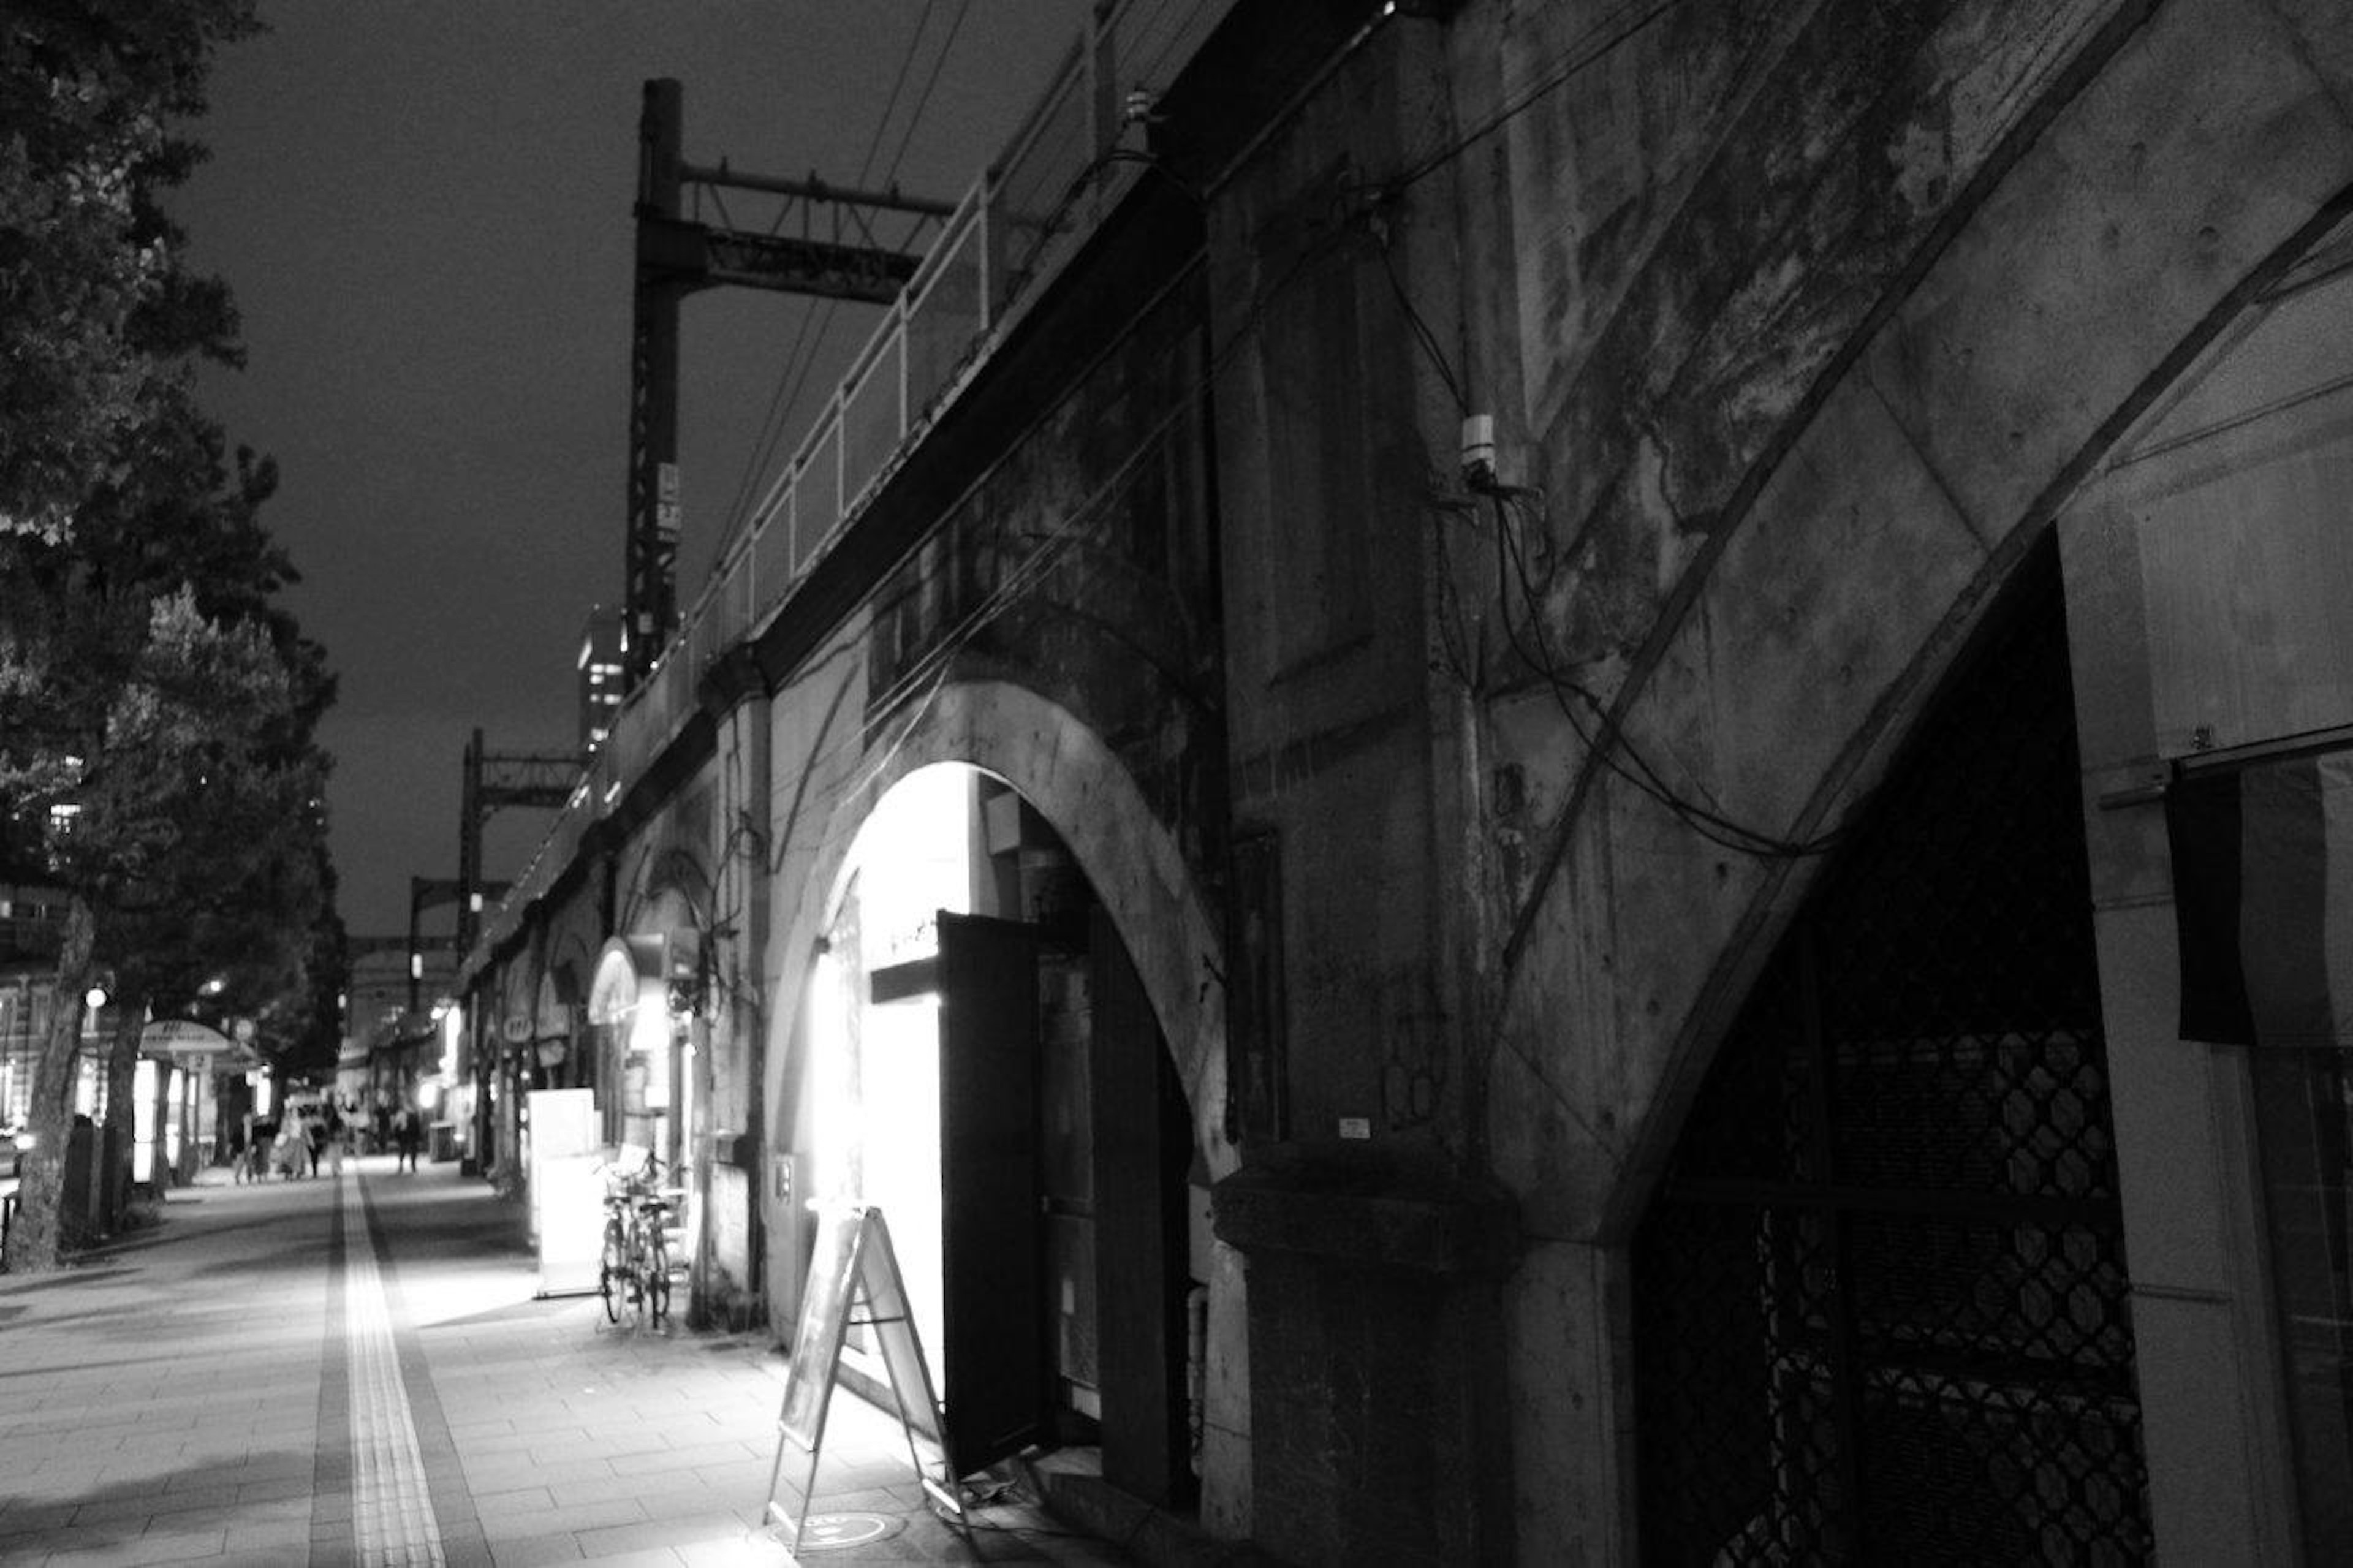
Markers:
<point>901,1044</point>
<point>879,1142</point>
<point>832,1128</point>
<point>143,1122</point>
<point>914,860</point>
<point>649,1031</point>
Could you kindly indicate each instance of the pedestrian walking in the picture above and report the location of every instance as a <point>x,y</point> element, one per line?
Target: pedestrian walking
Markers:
<point>408,1131</point>
<point>314,1134</point>
<point>293,1150</point>
<point>338,1132</point>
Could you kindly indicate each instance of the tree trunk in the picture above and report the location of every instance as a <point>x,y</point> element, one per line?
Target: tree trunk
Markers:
<point>120,1134</point>
<point>36,1232</point>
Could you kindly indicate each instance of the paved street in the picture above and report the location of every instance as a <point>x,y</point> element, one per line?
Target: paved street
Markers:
<point>355,1372</point>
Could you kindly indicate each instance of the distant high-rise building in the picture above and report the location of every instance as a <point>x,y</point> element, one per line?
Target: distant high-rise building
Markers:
<point>601,681</point>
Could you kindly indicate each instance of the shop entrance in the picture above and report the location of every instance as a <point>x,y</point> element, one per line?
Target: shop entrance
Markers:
<point>989,1070</point>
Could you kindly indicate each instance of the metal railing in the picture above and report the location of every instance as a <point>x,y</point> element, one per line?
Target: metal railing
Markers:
<point>1017,227</point>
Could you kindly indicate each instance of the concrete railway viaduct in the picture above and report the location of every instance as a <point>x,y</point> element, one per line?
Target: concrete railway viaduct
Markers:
<point>1453,769</point>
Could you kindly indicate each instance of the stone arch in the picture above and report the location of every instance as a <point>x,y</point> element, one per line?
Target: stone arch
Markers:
<point>1066,772</point>
<point>518,988</point>
<point>1807,627</point>
<point>670,886</point>
<point>569,960</point>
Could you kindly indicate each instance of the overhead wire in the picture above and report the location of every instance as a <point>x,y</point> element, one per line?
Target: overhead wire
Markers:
<point>823,316</point>
<point>1591,49</point>
<point>923,98</point>
<point>796,367</point>
<point>796,371</point>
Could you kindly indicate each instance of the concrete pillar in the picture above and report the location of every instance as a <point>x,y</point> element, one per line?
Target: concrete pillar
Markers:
<point>1376,1353</point>
<point>733,1032</point>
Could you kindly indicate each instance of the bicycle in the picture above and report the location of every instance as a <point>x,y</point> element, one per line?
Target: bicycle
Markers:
<point>633,1268</point>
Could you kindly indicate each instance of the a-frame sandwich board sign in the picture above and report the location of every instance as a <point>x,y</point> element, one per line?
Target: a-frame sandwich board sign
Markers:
<point>854,1271</point>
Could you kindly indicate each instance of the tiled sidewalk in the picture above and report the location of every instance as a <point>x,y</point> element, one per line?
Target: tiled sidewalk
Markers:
<point>217,1389</point>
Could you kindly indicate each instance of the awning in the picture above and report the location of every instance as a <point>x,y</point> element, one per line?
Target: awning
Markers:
<point>187,1043</point>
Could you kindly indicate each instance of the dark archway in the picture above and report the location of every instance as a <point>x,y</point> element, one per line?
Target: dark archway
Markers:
<point>1880,1297</point>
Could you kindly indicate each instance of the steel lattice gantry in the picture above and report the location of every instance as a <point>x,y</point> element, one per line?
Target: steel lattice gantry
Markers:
<point>494,782</point>
<point>677,254</point>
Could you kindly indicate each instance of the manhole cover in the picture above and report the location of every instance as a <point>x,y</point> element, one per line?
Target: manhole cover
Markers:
<point>824,1531</point>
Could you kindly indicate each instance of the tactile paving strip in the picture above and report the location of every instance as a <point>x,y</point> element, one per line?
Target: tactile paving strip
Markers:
<point>392,1524</point>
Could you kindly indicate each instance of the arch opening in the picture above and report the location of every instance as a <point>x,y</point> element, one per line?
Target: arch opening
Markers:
<point>984,1066</point>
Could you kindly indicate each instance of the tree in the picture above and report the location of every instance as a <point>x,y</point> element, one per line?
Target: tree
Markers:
<point>203,836</point>
<point>156,709</point>
<point>156,703</point>
<point>87,88</point>
<point>194,850</point>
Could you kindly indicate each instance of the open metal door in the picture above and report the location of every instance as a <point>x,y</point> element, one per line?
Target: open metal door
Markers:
<point>992,1271</point>
<point>1143,1143</point>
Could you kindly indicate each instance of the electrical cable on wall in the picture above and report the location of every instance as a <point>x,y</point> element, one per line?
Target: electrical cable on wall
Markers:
<point>1602,733</point>
<point>1581,56</point>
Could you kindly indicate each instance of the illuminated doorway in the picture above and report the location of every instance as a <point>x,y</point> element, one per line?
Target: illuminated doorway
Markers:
<point>877,1135</point>
<point>985,1069</point>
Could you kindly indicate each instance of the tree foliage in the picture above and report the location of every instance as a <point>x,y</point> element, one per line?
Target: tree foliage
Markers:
<point>87,90</point>
<point>157,701</point>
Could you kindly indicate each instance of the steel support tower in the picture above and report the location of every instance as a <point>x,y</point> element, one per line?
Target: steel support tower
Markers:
<point>494,782</point>
<point>677,254</point>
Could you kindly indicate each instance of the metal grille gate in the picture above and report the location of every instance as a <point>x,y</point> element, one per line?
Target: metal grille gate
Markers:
<point>1880,1302</point>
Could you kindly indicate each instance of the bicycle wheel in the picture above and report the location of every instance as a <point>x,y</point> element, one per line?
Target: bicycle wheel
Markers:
<point>637,1276</point>
<point>658,1276</point>
<point>609,1277</point>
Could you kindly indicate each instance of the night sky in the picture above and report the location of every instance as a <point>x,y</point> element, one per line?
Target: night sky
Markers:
<point>424,210</point>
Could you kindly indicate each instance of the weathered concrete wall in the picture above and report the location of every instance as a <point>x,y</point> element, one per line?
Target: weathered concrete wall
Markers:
<point>1083,563</point>
<point>568,932</point>
<point>1374,1357</point>
<point>1813,313</point>
<point>1769,526</point>
<point>1330,442</point>
<point>664,872</point>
